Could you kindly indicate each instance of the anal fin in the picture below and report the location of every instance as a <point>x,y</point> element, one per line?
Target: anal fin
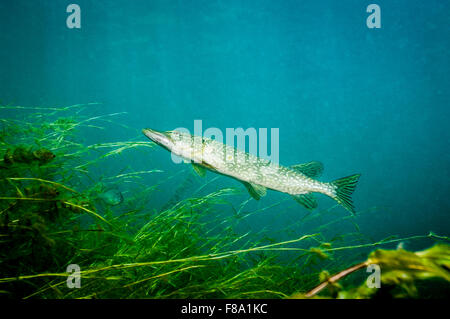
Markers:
<point>306,200</point>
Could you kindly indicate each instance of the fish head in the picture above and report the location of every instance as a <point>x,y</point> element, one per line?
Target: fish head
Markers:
<point>161,138</point>
<point>177,142</point>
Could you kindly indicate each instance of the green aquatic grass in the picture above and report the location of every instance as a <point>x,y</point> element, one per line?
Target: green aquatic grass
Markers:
<point>192,247</point>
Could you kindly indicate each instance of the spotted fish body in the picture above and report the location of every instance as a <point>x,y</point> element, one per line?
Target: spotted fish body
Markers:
<point>257,174</point>
<point>246,167</point>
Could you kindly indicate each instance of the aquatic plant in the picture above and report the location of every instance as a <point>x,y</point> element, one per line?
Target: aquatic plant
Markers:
<point>53,214</point>
<point>402,270</point>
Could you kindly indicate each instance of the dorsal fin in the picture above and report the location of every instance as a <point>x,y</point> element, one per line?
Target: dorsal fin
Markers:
<point>256,191</point>
<point>306,200</point>
<point>311,169</point>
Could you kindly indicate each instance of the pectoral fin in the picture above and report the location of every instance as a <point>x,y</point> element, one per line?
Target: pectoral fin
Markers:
<point>256,191</point>
<point>200,170</point>
<point>311,169</point>
<point>306,200</point>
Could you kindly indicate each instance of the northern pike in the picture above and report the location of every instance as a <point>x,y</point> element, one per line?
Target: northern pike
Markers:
<point>257,174</point>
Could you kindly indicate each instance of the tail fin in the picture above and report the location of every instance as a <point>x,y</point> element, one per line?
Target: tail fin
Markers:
<point>344,188</point>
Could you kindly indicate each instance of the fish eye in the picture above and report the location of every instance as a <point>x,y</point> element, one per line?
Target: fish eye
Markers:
<point>176,135</point>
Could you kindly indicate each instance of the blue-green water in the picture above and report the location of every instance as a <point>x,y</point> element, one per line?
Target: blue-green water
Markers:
<point>360,100</point>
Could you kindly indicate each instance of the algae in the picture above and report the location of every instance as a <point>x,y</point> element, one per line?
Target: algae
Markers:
<point>191,247</point>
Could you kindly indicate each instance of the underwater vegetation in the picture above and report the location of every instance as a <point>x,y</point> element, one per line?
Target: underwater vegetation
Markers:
<point>401,269</point>
<point>56,210</point>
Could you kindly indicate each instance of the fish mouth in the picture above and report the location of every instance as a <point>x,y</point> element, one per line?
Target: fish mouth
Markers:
<point>159,138</point>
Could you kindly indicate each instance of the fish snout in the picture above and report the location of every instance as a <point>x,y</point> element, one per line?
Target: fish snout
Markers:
<point>160,138</point>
